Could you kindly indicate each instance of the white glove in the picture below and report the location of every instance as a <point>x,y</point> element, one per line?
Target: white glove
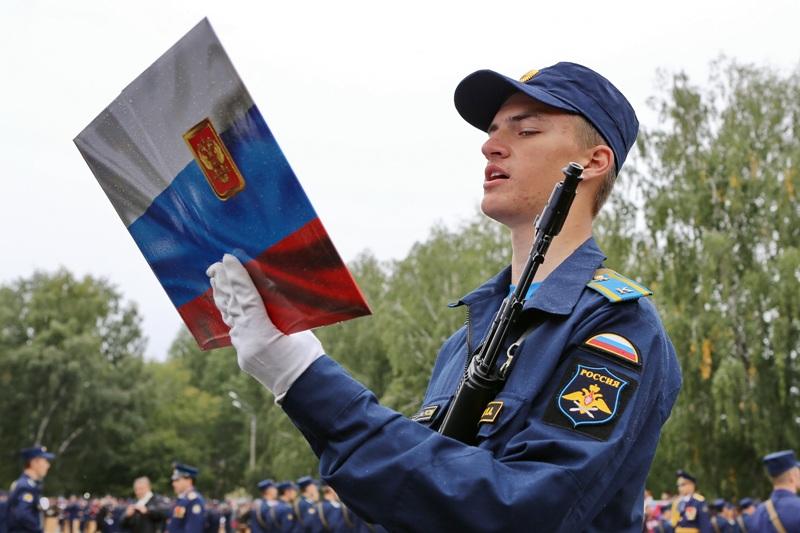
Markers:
<point>274,359</point>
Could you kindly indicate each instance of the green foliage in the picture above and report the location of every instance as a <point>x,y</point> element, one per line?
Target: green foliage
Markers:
<point>414,320</point>
<point>70,369</point>
<point>722,248</point>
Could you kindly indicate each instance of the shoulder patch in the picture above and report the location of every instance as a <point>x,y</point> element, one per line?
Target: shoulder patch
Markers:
<point>698,496</point>
<point>27,497</point>
<point>616,287</point>
<point>590,400</point>
<point>614,345</point>
<point>192,495</point>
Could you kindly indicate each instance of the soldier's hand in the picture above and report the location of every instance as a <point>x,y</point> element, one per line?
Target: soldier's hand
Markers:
<point>274,359</point>
<point>130,510</point>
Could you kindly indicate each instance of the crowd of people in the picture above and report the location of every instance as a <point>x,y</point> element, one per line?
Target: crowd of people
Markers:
<point>304,505</point>
<point>689,512</point>
<point>309,506</point>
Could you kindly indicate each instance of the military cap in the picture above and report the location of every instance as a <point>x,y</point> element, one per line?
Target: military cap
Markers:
<point>304,482</point>
<point>566,86</point>
<point>265,484</point>
<point>744,503</point>
<point>718,504</point>
<point>283,486</point>
<point>779,462</point>
<point>36,451</point>
<point>686,475</point>
<point>180,470</point>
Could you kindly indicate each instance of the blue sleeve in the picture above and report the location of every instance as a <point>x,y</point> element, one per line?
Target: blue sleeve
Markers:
<point>407,477</point>
<point>195,517</point>
<point>22,514</point>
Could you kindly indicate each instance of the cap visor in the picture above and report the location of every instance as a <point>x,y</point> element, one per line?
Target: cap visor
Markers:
<point>481,94</point>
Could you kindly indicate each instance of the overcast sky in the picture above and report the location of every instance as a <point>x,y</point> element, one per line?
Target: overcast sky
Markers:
<point>358,95</point>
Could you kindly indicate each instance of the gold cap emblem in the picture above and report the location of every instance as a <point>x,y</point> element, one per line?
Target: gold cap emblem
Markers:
<point>528,75</point>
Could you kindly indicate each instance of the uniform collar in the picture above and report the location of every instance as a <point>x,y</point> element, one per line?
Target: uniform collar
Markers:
<point>781,493</point>
<point>559,292</point>
<point>31,482</point>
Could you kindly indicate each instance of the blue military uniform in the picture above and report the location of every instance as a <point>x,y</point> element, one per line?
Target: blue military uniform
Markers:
<point>719,523</point>
<point>547,442</point>
<point>24,513</point>
<point>690,513</point>
<point>263,512</point>
<point>23,506</point>
<point>745,519</point>
<point>188,513</point>
<point>284,511</point>
<point>783,506</point>
<point>330,514</point>
<point>306,509</point>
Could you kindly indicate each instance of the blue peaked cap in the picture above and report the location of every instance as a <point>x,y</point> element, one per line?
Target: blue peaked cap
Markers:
<point>265,484</point>
<point>779,462</point>
<point>36,451</point>
<point>567,86</point>
<point>180,470</point>
<point>284,485</point>
<point>304,481</point>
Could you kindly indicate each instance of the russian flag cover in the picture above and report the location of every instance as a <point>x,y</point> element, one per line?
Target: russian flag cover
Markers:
<point>193,171</point>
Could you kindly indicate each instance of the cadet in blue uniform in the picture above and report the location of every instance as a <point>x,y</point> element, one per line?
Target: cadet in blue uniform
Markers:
<point>723,519</point>
<point>306,506</point>
<point>331,512</point>
<point>568,442</point>
<point>262,511</point>
<point>188,514</point>
<point>781,512</point>
<point>284,509</point>
<point>689,510</point>
<point>745,518</point>
<point>24,513</point>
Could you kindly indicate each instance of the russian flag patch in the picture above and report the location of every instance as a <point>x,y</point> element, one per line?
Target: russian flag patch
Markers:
<point>616,346</point>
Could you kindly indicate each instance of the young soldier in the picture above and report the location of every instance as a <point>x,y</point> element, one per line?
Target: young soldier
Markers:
<point>568,442</point>
<point>188,514</point>
<point>689,510</point>
<point>781,511</point>
<point>24,512</point>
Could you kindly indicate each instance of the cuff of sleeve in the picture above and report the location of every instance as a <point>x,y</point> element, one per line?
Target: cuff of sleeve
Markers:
<point>318,396</point>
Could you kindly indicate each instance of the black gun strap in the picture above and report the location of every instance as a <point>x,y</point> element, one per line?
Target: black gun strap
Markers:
<point>511,353</point>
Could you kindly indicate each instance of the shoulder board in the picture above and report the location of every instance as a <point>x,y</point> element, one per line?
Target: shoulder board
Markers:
<point>616,287</point>
<point>699,497</point>
<point>191,496</point>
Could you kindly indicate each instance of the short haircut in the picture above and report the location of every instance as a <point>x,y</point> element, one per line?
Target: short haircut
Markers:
<point>588,137</point>
<point>142,479</point>
<point>783,477</point>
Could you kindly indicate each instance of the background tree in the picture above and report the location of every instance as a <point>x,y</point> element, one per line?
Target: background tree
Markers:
<point>70,371</point>
<point>720,245</point>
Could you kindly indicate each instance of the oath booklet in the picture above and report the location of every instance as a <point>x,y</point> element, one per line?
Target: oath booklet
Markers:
<point>193,171</point>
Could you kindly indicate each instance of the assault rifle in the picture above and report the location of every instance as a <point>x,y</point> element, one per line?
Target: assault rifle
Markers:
<point>482,381</point>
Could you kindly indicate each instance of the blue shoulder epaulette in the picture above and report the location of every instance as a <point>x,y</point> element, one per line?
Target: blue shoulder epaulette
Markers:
<point>616,287</point>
